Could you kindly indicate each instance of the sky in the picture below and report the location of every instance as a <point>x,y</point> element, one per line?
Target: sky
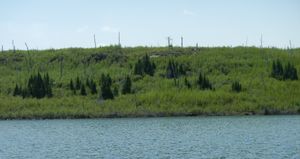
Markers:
<point>45,24</point>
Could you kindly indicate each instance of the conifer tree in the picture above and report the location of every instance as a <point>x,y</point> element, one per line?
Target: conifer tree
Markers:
<point>203,82</point>
<point>144,66</point>
<point>236,86</point>
<point>17,91</point>
<point>172,69</point>
<point>106,83</point>
<point>93,87</point>
<point>78,83</point>
<point>71,85</point>
<point>126,89</point>
<point>187,83</point>
<point>82,90</point>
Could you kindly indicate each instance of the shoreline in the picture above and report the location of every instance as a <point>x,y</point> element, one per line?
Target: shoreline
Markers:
<point>159,115</point>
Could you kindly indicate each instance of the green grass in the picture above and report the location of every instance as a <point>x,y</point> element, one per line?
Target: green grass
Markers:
<point>157,95</point>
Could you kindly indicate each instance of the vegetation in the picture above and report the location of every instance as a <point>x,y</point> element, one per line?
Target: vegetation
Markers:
<point>203,82</point>
<point>288,73</point>
<point>236,86</point>
<point>126,86</point>
<point>144,66</point>
<point>37,87</point>
<point>106,83</point>
<point>129,82</point>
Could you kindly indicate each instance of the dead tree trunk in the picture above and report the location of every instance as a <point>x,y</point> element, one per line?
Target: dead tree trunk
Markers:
<point>14,47</point>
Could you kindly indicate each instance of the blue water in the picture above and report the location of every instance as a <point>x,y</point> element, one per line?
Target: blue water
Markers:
<point>268,137</point>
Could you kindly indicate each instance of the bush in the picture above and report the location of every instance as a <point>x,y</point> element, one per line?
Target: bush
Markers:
<point>37,87</point>
<point>203,82</point>
<point>126,89</point>
<point>236,86</point>
<point>144,66</point>
<point>106,83</point>
<point>288,73</point>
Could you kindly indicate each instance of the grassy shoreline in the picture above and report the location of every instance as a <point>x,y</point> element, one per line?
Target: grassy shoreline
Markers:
<point>152,95</point>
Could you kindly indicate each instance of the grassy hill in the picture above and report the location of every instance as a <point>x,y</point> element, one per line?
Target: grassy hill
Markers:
<point>154,95</point>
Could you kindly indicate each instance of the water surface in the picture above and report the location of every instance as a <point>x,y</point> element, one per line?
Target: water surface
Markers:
<point>268,137</point>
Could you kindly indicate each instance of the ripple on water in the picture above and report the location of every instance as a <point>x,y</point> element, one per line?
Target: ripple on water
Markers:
<point>181,137</point>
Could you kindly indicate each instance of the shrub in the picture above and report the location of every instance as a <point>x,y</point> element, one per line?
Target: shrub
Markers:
<point>236,86</point>
<point>203,82</point>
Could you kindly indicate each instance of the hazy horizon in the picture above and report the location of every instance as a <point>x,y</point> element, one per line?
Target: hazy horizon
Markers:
<point>66,23</point>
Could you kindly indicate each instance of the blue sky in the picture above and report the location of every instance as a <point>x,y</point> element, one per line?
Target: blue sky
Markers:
<point>71,23</point>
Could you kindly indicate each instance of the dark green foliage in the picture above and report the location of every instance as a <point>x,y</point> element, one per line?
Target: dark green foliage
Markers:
<point>115,90</point>
<point>203,82</point>
<point>174,70</point>
<point>288,73</point>
<point>187,83</point>
<point>82,90</point>
<point>37,87</point>
<point>144,66</point>
<point>236,86</point>
<point>126,89</point>
<point>78,83</point>
<point>105,84</point>
<point>71,85</point>
<point>17,91</point>
<point>138,68</point>
<point>93,87</point>
<point>47,85</point>
<point>277,70</point>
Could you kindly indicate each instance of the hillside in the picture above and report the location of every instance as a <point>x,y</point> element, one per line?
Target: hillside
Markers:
<point>173,88</point>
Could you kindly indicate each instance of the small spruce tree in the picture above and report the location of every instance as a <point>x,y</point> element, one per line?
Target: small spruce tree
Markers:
<point>126,89</point>
<point>82,90</point>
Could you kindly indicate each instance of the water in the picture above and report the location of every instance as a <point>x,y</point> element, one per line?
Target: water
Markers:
<point>181,137</point>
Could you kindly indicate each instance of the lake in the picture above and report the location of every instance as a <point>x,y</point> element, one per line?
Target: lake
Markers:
<point>268,137</point>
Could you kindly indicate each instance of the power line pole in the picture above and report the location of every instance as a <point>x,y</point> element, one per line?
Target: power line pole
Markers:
<point>2,49</point>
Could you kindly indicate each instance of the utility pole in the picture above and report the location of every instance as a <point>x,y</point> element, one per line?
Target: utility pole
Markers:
<point>2,49</point>
<point>181,42</point>
<point>95,41</point>
<point>247,41</point>
<point>14,47</point>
